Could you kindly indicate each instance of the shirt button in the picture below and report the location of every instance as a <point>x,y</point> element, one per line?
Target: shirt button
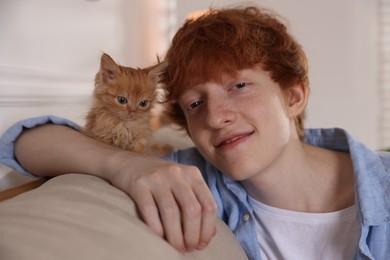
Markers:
<point>246,217</point>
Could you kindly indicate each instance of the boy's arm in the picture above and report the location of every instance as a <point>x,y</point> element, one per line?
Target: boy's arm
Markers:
<point>173,199</point>
<point>7,140</point>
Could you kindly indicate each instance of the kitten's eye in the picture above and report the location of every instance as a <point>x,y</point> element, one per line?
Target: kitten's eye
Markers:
<point>121,100</point>
<point>143,103</point>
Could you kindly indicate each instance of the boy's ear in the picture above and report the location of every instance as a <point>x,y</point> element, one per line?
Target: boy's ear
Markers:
<point>297,99</point>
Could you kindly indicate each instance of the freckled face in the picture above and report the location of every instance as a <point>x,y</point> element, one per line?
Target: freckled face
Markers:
<point>242,125</point>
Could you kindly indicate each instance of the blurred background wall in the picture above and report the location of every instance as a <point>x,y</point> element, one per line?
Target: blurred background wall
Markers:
<point>50,52</point>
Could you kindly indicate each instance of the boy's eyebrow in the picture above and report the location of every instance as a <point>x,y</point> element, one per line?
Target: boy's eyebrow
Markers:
<point>183,95</point>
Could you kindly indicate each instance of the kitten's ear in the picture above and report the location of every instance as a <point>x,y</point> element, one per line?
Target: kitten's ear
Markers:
<point>155,71</point>
<point>109,69</point>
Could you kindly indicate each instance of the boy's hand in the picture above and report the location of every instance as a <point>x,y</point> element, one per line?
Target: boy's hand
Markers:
<point>173,199</point>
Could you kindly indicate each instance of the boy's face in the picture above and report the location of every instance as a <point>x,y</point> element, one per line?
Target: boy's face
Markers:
<point>243,125</point>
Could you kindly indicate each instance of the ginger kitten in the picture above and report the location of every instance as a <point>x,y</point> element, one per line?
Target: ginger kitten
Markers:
<point>121,110</point>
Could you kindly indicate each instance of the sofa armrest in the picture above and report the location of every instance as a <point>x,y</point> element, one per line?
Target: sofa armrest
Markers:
<point>77,216</point>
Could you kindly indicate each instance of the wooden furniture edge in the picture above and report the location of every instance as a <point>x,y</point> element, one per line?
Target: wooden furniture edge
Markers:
<point>12,192</point>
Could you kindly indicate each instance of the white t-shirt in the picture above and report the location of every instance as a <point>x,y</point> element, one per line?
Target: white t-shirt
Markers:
<point>285,234</point>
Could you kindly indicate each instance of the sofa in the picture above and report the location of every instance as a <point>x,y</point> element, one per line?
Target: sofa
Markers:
<point>76,216</point>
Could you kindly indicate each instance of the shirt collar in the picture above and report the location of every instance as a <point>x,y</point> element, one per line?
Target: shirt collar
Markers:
<point>372,179</point>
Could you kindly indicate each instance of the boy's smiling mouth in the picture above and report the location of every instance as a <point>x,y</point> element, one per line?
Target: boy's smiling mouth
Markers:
<point>233,139</point>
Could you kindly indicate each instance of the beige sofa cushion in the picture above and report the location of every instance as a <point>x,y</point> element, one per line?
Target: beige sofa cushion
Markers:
<point>78,216</point>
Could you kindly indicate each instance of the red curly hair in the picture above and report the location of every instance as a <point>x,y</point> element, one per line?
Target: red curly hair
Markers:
<point>227,41</point>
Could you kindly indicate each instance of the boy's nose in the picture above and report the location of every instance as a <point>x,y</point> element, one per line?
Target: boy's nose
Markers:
<point>219,114</point>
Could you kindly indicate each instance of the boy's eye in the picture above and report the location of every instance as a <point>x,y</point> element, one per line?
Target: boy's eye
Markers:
<point>143,103</point>
<point>121,100</point>
<point>241,85</point>
<point>195,105</point>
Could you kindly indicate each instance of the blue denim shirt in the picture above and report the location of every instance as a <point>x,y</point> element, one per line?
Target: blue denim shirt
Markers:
<point>372,185</point>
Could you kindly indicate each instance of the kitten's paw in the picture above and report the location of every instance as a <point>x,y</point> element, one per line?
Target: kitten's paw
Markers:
<point>161,149</point>
<point>137,147</point>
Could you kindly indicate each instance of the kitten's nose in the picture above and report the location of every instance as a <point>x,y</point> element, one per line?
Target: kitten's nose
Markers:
<point>131,114</point>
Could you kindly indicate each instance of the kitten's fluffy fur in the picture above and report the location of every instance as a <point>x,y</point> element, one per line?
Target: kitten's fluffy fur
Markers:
<point>122,101</point>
